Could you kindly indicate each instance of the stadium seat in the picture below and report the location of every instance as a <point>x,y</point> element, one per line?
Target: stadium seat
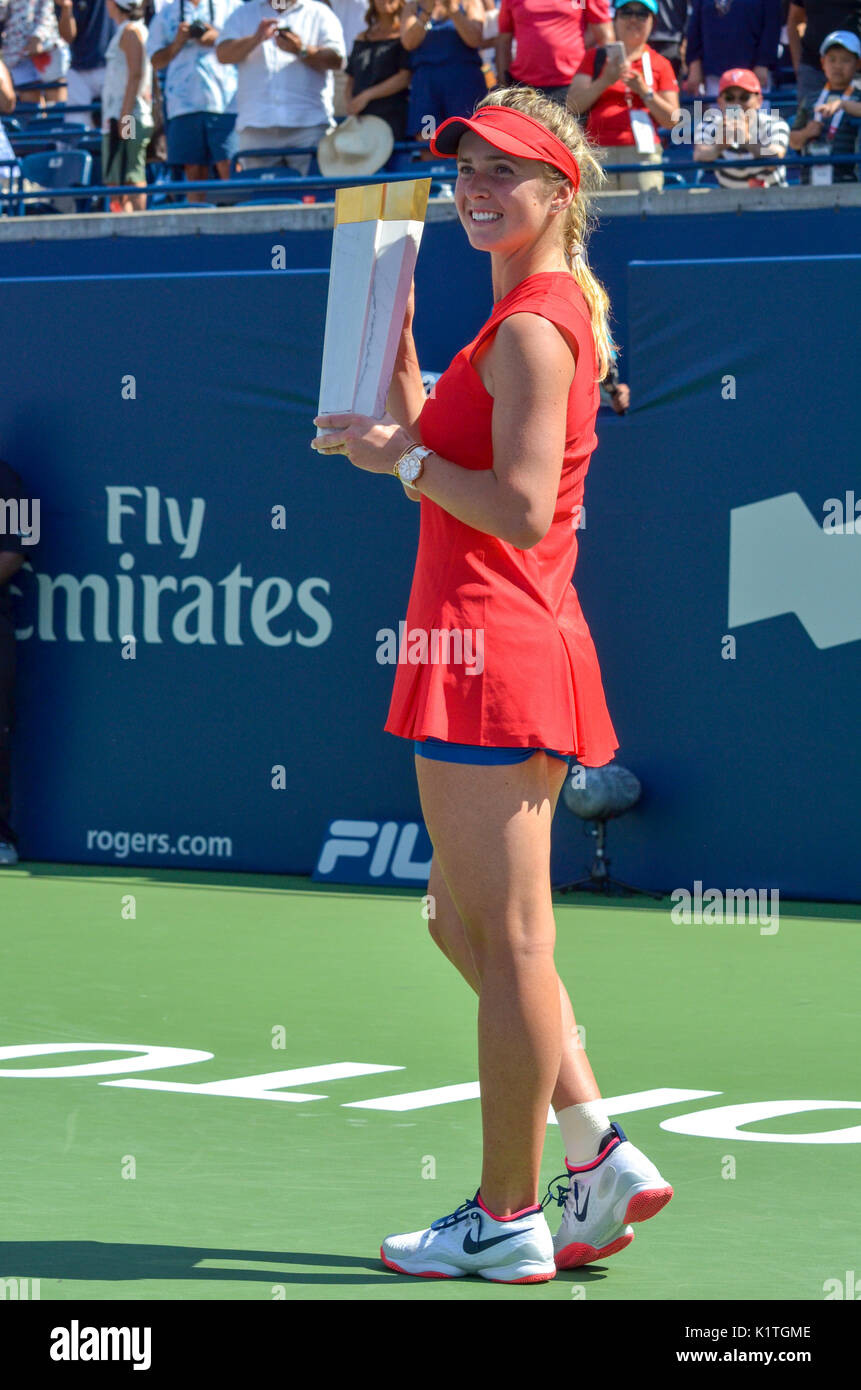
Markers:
<point>61,169</point>
<point>37,138</point>
<point>272,173</point>
<point>706,178</point>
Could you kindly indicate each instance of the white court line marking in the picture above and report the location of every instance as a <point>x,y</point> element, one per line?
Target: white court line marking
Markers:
<point>262,1086</point>
<point>443,1095</point>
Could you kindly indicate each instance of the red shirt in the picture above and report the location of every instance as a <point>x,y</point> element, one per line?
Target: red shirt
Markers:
<point>540,686</point>
<point>549,37</point>
<point>608,121</point>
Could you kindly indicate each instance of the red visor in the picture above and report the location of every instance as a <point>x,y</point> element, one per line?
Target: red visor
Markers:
<point>512,131</point>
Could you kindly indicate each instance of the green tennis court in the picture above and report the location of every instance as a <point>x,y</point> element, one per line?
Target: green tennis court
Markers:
<point>142,1193</point>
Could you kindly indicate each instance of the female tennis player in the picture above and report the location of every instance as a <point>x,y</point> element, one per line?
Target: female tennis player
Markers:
<point>498,455</point>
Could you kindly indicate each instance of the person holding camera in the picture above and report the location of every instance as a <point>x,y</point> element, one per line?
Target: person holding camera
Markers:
<point>628,90</point>
<point>285,55</point>
<point>200,92</point>
<point>742,130</point>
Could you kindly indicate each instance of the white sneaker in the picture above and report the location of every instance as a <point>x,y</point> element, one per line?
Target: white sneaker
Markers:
<point>515,1250</point>
<point>620,1186</point>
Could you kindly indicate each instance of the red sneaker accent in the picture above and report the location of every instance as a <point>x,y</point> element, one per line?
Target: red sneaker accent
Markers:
<point>529,1279</point>
<point>524,1211</point>
<point>587,1167</point>
<point>575,1255</point>
<point>647,1204</point>
<point>422,1274</point>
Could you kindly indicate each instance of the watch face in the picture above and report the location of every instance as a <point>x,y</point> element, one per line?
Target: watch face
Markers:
<point>410,468</point>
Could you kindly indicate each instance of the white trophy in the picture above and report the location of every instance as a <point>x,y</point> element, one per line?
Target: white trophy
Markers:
<point>378,229</point>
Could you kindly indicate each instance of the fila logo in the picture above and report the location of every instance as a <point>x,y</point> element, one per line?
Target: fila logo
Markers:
<point>370,851</point>
<point>782,561</point>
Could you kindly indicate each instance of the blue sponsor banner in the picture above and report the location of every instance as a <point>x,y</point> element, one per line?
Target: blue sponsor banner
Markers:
<point>200,681</point>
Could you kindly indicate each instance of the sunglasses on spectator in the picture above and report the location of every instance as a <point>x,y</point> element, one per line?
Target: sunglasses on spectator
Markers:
<point>634,12</point>
<point>737,96</point>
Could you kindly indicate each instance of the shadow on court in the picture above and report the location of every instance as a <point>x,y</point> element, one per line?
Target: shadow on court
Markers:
<point>95,1260</point>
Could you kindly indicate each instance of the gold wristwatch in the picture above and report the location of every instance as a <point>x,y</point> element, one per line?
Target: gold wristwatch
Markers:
<point>411,464</point>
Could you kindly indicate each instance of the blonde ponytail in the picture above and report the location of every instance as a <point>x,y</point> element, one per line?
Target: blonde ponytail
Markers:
<point>578,218</point>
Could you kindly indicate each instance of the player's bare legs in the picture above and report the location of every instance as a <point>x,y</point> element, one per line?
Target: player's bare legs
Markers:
<point>490,828</point>
<point>576,1082</point>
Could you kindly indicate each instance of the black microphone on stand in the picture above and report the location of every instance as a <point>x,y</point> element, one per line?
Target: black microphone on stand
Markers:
<point>596,795</point>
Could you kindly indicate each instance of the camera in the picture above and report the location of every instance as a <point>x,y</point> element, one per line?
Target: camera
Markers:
<point>197,29</point>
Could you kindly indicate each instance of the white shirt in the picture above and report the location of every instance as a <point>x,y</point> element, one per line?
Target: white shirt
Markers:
<point>278,88</point>
<point>195,80</point>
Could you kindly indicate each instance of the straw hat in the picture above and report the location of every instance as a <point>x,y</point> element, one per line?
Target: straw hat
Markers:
<point>359,145</point>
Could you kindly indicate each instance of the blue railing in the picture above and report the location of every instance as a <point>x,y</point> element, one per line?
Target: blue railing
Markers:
<point>283,190</point>
<point>164,190</point>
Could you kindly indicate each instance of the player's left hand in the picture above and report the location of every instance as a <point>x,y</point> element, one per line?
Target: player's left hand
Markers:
<point>369,444</point>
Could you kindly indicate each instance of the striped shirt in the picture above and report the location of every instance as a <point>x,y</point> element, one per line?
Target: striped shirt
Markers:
<point>772,133</point>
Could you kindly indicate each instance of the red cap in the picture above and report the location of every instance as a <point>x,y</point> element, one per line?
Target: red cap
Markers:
<point>512,131</point>
<point>740,77</point>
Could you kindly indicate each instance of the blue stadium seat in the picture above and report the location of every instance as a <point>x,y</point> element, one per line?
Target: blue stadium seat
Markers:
<point>706,178</point>
<point>62,169</point>
<point>271,173</point>
<point>37,138</point>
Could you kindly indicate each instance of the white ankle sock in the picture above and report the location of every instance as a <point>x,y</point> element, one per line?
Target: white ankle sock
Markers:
<point>582,1128</point>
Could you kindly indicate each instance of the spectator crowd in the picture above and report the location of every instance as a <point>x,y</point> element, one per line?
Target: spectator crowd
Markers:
<point>199,82</point>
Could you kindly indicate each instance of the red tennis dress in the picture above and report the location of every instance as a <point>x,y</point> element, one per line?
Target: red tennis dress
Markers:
<point>532,678</point>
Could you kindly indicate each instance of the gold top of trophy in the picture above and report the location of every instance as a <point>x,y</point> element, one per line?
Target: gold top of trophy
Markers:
<point>404,201</point>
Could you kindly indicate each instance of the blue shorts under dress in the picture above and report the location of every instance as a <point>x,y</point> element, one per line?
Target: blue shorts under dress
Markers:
<point>443,752</point>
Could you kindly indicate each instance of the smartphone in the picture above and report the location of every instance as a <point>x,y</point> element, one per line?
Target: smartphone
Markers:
<point>615,53</point>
